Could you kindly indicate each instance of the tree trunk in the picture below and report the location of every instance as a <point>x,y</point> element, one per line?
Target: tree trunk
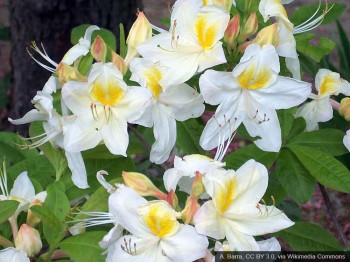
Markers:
<point>50,22</point>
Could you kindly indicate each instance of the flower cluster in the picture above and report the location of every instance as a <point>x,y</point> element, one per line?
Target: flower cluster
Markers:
<point>237,64</point>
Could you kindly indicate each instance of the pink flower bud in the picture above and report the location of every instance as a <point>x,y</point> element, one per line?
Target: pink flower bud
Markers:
<point>190,210</point>
<point>118,61</point>
<point>28,240</point>
<point>197,186</point>
<point>344,109</point>
<point>142,185</point>
<point>232,31</point>
<point>99,49</point>
<point>67,73</point>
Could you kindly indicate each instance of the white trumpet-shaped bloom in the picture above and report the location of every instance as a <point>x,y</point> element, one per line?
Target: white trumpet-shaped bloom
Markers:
<point>193,42</point>
<point>12,254</point>
<point>250,94</point>
<point>327,83</point>
<point>168,105</point>
<point>287,44</point>
<point>155,233</point>
<point>53,127</point>
<point>103,106</point>
<point>185,170</point>
<point>22,191</point>
<point>234,211</point>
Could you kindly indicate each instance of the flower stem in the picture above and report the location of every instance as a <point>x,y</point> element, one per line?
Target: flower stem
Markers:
<point>332,214</point>
<point>335,104</point>
<point>14,227</point>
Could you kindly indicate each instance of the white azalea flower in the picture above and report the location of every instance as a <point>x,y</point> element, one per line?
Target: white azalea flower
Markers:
<point>234,211</point>
<point>168,105</point>
<point>75,52</point>
<point>327,83</point>
<point>12,254</point>
<point>287,44</point>
<point>193,42</point>
<point>22,191</point>
<point>155,233</point>
<point>250,95</point>
<point>53,126</point>
<point>346,140</point>
<point>185,169</point>
<point>102,107</point>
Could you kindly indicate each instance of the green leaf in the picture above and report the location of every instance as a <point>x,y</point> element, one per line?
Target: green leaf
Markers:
<point>344,50</point>
<point>99,152</point>
<point>326,169</point>
<point>306,11</point>
<point>291,209</point>
<point>329,141</point>
<point>85,63</point>
<point>298,127</point>
<point>85,247</point>
<point>294,178</point>
<point>274,190</point>
<point>7,209</point>
<point>53,229</point>
<point>122,43</point>
<point>316,52</point>
<point>239,157</point>
<point>9,148</point>
<point>188,134</point>
<point>4,33</point>
<point>38,168</point>
<point>286,120</point>
<point>309,237</point>
<point>57,200</point>
<point>79,32</point>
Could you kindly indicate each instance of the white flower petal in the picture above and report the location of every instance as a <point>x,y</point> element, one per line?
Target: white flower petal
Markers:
<point>209,222</point>
<point>239,241</point>
<point>74,53</point>
<point>270,244</point>
<point>346,140</point>
<point>171,178</point>
<point>112,236</point>
<point>164,130</point>
<point>216,86</point>
<point>23,188</point>
<point>285,93</point>
<point>115,135</point>
<point>293,64</point>
<point>183,102</point>
<point>185,245</point>
<point>77,167</point>
<point>30,116</point>
<point>12,254</point>
<point>75,96</point>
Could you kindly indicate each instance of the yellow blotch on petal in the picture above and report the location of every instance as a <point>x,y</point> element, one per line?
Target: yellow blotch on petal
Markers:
<point>225,195</point>
<point>108,93</point>
<point>153,76</point>
<point>252,79</point>
<point>206,34</point>
<point>160,219</point>
<point>328,85</point>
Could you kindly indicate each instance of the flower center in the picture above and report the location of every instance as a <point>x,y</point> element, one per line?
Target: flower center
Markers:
<point>160,219</point>
<point>205,32</point>
<point>224,197</point>
<point>254,79</point>
<point>108,93</point>
<point>153,76</point>
<point>327,85</point>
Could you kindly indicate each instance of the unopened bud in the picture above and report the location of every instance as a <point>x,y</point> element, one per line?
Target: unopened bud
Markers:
<point>140,31</point>
<point>67,73</point>
<point>142,185</point>
<point>118,61</point>
<point>172,199</point>
<point>197,186</point>
<point>77,229</point>
<point>232,31</point>
<point>32,219</point>
<point>190,210</point>
<point>99,49</point>
<point>344,109</point>
<point>268,36</point>
<point>28,240</point>
<point>250,27</point>
<point>243,47</point>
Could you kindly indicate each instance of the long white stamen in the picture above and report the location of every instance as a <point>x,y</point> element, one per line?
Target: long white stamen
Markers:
<point>96,218</point>
<point>46,137</point>
<point>100,178</point>
<point>44,55</point>
<point>307,25</point>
